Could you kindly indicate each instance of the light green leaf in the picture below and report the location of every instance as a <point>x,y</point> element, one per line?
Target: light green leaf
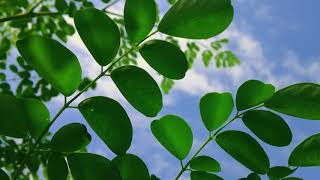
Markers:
<point>166,58</point>
<point>71,137</point>
<point>205,163</point>
<point>215,109</point>
<point>174,134</point>
<point>279,172</point>
<point>299,100</point>
<point>269,127</point>
<point>307,153</point>
<point>198,175</point>
<point>242,147</point>
<point>110,121</point>
<point>13,122</point>
<point>252,93</point>
<point>86,166</point>
<point>131,167</point>
<point>52,61</point>
<point>57,168</point>
<point>3,175</point>
<point>37,116</point>
<point>139,18</point>
<point>139,88</point>
<point>207,55</point>
<point>99,33</point>
<point>197,19</point>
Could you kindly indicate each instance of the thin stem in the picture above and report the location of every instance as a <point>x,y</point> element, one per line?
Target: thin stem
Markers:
<point>28,15</point>
<point>212,137</point>
<point>113,13</point>
<point>181,163</point>
<point>109,5</point>
<point>67,104</point>
<point>35,6</point>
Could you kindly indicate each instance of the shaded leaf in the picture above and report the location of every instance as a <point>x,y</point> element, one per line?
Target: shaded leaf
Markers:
<point>292,178</point>
<point>57,168</point>
<point>61,5</point>
<point>244,149</point>
<point>110,121</point>
<point>205,163</point>
<point>174,134</point>
<point>154,177</point>
<point>3,175</point>
<point>279,172</point>
<point>198,175</point>
<point>253,176</point>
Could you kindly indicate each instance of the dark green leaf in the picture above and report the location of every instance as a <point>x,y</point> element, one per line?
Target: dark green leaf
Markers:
<point>139,18</point>
<point>71,137</point>
<point>154,177</point>
<point>252,93</point>
<point>99,33</point>
<point>57,168</point>
<point>55,63</point>
<point>292,178</point>
<point>110,121</point>
<point>205,163</point>
<point>174,134</point>
<point>299,100</point>
<point>131,167</point>
<point>307,153</point>
<point>86,166</point>
<point>279,172</point>
<point>253,176</point>
<point>269,127</point>
<point>106,1</point>
<point>197,19</point>
<point>13,122</point>
<point>139,88</point>
<point>165,58</point>
<point>3,175</point>
<point>215,109</point>
<point>244,149</point>
<point>61,5</point>
<point>37,116</point>
<point>198,175</point>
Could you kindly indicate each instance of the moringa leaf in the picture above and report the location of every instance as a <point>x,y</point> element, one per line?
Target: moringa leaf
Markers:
<point>205,163</point>
<point>199,175</point>
<point>57,168</point>
<point>3,175</point>
<point>279,172</point>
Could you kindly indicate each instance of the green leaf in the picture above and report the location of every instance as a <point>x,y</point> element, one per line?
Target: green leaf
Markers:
<point>55,63</point>
<point>139,88</point>
<point>131,167</point>
<point>307,153</point>
<point>61,5</point>
<point>197,19</point>
<point>205,163</point>
<point>57,168</point>
<point>252,93</point>
<point>269,127</point>
<point>253,176</point>
<point>279,172</point>
<point>215,109</point>
<point>174,134</point>
<point>99,33</point>
<point>110,121</point>
<point>86,166</point>
<point>242,147</point>
<point>139,18</point>
<point>37,115</point>
<point>299,100</point>
<point>3,175</point>
<point>207,55</point>
<point>71,137</point>
<point>292,178</point>
<point>154,177</point>
<point>13,122</point>
<point>198,175</point>
<point>165,58</point>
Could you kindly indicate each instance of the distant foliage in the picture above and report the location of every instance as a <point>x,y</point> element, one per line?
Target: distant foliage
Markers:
<point>25,146</point>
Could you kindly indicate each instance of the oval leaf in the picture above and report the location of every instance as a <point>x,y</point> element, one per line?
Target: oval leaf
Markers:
<point>279,172</point>
<point>3,175</point>
<point>197,19</point>
<point>13,122</point>
<point>307,153</point>
<point>252,93</point>
<point>299,100</point>
<point>131,167</point>
<point>52,61</point>
<point>166,58</point>
<point>198,175</point>
<point>99,33</point>
<point>71,137</point>
<point>37,115</point>
<point>215,109</point>
<point>253,176</point>
<point>86,166</point>
<point>291,178</point>
<point>139,88</point>
<point>242,147</point>
<point>269,127</point>
<point>110,121</point>
<point>139,18</point>
<point>205,163</point>
<point>57,168</point>
<point>174,134</point>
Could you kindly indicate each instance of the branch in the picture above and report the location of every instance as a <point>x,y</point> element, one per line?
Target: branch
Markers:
<point>29,14</point>
<point>109,5</point>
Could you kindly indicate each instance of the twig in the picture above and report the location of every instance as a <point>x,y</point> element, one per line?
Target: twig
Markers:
<point>109,5</point>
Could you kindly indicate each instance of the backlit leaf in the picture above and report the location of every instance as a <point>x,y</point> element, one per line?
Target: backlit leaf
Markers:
<point>205,163</point>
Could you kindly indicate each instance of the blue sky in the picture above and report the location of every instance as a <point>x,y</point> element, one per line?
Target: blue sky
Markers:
<point>277,42</point>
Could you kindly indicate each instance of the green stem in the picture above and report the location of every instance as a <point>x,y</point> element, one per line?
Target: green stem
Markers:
<point>67,105</point>
<point>212,137</point>
<point>28,15</point>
